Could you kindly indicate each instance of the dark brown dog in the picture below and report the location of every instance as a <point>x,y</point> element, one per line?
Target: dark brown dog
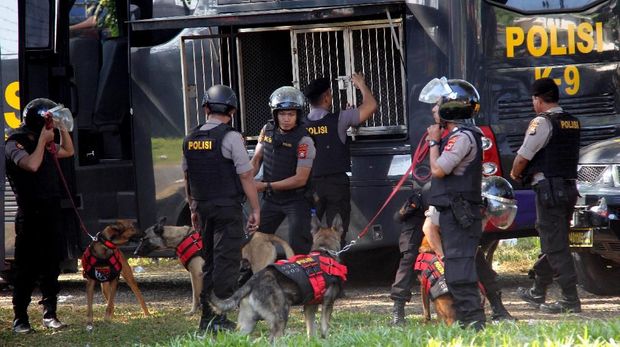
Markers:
<point>269,294</point>
<point>96,271</point>
<point>443,304</point>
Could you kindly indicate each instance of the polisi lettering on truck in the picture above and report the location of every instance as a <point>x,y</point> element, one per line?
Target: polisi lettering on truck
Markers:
<point>11,96</point>
<point>539,40</point>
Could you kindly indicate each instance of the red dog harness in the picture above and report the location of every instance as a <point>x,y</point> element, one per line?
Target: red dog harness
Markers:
<point>432,271</point>
<point>312,273</point>
<point>189,248</point>
<point>102,270</point>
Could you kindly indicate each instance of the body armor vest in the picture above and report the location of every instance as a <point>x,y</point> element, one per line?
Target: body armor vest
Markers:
<point>32,187</point>
<point>101,270</point>
<point>560,156</point>
<point>468,185</point>
<point>312,273</point>
<point>332,156</point>
<point>211,177</point>
<point>280,157</point>
<point>190,247</point>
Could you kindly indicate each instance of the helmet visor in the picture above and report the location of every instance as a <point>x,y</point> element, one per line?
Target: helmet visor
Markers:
<point>62,115</point>
<point>501,212</point>
<point>434,90</point>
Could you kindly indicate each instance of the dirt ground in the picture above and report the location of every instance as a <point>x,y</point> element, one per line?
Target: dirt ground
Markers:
<point>170,288</point>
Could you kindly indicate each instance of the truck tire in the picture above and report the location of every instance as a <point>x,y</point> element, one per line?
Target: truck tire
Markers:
<point>596,274</point>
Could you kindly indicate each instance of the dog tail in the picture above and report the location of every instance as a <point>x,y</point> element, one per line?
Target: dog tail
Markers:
<point>225,305</point>
<point>288,251</point>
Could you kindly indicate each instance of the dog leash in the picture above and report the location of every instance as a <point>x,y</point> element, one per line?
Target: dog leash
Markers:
<point>54,151</point>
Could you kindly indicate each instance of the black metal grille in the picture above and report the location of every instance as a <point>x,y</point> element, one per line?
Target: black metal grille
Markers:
<point>590,173</point>
<point>585,106</point>
<point>266,61</point>
<point>589,135</point>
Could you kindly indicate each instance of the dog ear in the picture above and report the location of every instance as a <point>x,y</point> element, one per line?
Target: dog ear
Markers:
<point>162,221</point>
<point>316,225</point>
<point>337,224</point>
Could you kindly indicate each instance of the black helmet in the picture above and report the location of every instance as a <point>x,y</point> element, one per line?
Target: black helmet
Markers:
<point>34,113</point>
<point>458,99</point>
<point>287,98</point>
<point>499,197</point>
<point>220,99</point>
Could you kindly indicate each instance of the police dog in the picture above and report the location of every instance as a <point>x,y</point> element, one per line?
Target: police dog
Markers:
<point>102,249</point>
<point>259,252</point>
<point>442,304</point>
<point>269,294</point>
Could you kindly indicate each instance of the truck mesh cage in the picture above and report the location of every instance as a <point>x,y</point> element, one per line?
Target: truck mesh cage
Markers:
<point>267,58</point>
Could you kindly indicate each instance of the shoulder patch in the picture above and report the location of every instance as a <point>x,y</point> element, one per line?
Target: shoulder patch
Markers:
<point>531,130</point>
<point>451,143</point>
<point>302,151</point>
<point>19,145</point>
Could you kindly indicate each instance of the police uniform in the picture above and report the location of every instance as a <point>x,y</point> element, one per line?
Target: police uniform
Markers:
<point>551,145</point>
<point>283,153</point>
<point>39,239</point>
<point>214,155</point>
<point>459,191</point>
<point>409,242</point>
<point>330,181</point>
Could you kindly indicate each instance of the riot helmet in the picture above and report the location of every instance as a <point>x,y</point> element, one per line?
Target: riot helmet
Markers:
<point>287,98</point>
<point>34,113</point>
<point>499,201</point>
<point>220,99</point>
<point>458,99</point>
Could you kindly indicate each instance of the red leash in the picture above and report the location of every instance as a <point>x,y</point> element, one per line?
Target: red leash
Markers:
<point>51,147</point>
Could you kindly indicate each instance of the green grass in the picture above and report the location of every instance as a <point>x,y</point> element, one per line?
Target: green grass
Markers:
<point>171,327</point>
<point>167,150</point>
<point>517,258</point>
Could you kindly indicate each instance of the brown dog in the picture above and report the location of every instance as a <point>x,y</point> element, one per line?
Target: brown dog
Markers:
<point>103,263</point>
<point>259,252</point>
<point>443,303</point>
<point>270,293</point>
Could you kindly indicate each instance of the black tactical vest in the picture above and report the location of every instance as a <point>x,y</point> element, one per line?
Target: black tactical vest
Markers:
<point>211,177</point>
<point>469,184</point>
<point>280,157</point>
<point>31,188</point>
<point>560,156</point>
<point>332,156</point>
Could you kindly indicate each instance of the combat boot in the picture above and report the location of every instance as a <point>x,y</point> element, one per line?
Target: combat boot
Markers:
<point>21,326</point>
<point>50,320</point>
<point>222,323</point>
<point>534,296</point>
<point>497,306</point>
<point>206,320</point>
<point>398,312</point>
<point>569,303</point>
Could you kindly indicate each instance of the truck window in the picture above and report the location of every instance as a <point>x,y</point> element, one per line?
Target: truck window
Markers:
<point>38,24</point>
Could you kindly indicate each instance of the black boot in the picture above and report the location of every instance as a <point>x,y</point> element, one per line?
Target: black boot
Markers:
<point>569,303</point>
<point>534,296</point>
<point>398,312</point>
<point>206,320</point>
<point>50,320</point>
<point>21,325</point>
<point>497,306</point>
<point>222,323</point>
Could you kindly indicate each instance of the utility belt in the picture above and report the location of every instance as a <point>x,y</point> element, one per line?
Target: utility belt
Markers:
<point>335,178</point>
<point>464,211</point>
<point>281,196</point>
<point>556,191</point>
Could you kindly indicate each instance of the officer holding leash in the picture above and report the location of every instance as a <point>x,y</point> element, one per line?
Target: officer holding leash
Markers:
<point>330,182</point>
<point>548,159</point>
<point>36,183</point>
<point>217,175</point>
<point>286,152</point>
<point>456,167</point>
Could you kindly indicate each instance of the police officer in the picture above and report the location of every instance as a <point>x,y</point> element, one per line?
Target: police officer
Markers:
<point>456,167</point>
<point>548,158</point>
<point>217,175</point>
<point>286,152</point>
<point>36,183</point>
<point>333,160</point>
<point>411,215</point>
